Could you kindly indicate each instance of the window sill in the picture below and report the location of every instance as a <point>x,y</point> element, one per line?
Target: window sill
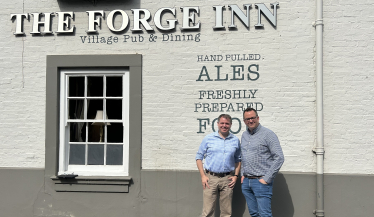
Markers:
<point>104,184</point>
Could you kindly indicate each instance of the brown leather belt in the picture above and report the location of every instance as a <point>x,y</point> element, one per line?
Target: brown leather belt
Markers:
<point>218,174</point>
<point>253,177</point>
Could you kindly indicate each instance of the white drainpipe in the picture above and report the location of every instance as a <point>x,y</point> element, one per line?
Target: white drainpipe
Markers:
<point>319,150</point>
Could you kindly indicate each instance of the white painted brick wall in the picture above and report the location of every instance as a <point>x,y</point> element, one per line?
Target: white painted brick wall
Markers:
<point>286,86</point>
<point>349,87</point>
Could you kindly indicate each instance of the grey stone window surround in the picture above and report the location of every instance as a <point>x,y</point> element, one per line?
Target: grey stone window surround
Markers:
<point>103,183</point>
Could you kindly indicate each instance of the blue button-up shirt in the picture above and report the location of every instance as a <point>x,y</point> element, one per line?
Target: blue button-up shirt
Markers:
<point>220,154</point>
<point>262,154</point>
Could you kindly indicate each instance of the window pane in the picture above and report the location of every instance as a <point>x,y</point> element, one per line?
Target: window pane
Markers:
<point>95,155</point>
<point>96,132</point>
<point>114,155</point>
<point>115,133</point>
<point>95,86</point>
<point>77,132</point>
<point>94,105</point>
<point>76,154</point>
<point>114,109</point>
<point>114,86</point>
<point>76,86</point>
<point>76,109</point>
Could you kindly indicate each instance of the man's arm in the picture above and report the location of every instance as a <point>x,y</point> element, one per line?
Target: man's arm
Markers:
<point>199,162</point>
<point>204,178</point>
<point>234,178</point>
<point>277,155</point>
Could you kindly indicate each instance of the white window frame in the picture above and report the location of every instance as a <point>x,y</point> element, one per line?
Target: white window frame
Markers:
<point>92,170</point>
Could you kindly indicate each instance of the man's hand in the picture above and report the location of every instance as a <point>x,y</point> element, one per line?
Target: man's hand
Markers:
<point>263,181</point>
<point>241,181</point>
<point>204,181</point>
<point>204,178</point>
<point>233,181</point>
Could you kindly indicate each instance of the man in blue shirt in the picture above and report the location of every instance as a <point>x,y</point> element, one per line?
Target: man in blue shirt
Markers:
<point>262,157</point>
<point>221,151</point>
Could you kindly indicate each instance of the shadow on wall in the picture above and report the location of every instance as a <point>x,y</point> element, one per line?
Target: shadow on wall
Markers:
<point>238,202</point>
<point>282,204</point>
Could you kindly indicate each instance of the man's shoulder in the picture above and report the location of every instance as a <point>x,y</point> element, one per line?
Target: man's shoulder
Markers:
<point>268,134</point>
<point>266,130</point>
<point>211,135</point>
<point>245,133</point>
<point>233,137</point>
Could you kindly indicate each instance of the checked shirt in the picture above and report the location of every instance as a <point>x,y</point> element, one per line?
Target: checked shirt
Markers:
<point>261,153</point>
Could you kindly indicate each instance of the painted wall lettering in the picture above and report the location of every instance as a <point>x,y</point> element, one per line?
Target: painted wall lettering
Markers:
<point>141,19</point>
<point>205,124</point>
<point>227,101</point>
<point>238,72</point>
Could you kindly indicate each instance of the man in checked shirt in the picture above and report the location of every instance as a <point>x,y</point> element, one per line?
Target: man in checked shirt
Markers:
<point>262,157</point>
<point>221,151</point>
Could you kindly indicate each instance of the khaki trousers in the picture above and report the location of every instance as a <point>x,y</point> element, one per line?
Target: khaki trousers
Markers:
<point>218,186</point>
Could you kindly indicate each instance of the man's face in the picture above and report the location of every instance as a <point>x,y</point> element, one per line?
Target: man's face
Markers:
<point>224,126</point>
<point>251,120</point>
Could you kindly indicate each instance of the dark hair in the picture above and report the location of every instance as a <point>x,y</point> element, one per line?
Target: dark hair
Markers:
<point>250,109</point>
<point>228,117</point>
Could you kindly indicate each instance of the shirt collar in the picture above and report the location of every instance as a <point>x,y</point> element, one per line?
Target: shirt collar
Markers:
<point>255,130</point>
<point>217,135</point>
